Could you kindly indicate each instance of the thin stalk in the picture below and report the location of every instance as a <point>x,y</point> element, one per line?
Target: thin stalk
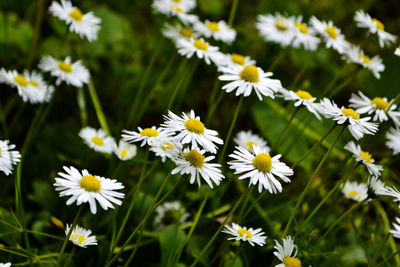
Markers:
<point>3,122</point>
<point>97,107</point>
<point>246,201</point>
<point>331,83</point>
<point>392,103</point>
<point>375,257</point>
<point>285,128</point>
<point>342,85</point>
<point>388,258</point>
<point>70,256</point>
<point>301,72</point>
<point>36,34</point>
<point>277,59</point>
<point>237,254</point>
<point>233,12</point>
<point>215,104</point>
<point>82,106</point>
<point>187,68</point>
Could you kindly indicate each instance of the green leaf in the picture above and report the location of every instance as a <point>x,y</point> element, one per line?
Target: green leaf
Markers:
<point>171,240</point>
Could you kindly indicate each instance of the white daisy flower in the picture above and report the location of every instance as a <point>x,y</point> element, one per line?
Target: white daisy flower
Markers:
<point>354,54</point>
<point>331,35</point>
<point>365,158</point>
<point>189,47</point>
<point>248,140</point>
<point>220,31</point>
<point>169,213</point>
<point>125,151</point>
<point>276,28</point>
<point>302,98</point>
<point>81,236</point>
<point>7,264</point>
<point>261,168</point>
<point>393,140</point>
<point>374,26</point>
<point>397,51</point>
<point>74,74</point>
<point>253,236</point>
<point>396,231</point>
<point>287,253</point>
<point>190,130</point>
<point>362,104</point>
<point>357,126</point>
<point>304,36</point>
<point>185,5</point>
<point>85,187</point>
<point>244,79</point>
<point>392,192</point>
<point>98,140</point>
<point>86,25</point>
<point>175,10</point>
<point>8,157</point>
<point>355,191</point>
<point>165,147</point>
<point>234,59</point>
<point>147,135</point>
<point>377,185</point>
<point>178,31</point>
<point>193,162</point>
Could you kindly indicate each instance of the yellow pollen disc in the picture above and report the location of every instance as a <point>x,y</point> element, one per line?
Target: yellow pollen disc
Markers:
<point>379,24</point>
<point>166,146</point>
<point>65,67</point>
<point>242,232</point>
<point>186,32</point>
<point>380,103</point>
<point>36,84</point>
<point>0,151</point>
<point>97,140</point>
<point>352,193</point>
<point>176,8</point>
<point>21,80</point>
<point>349,112</point>
<point>177,1</point>
<point>303,95</point>
<point>213,26</point>
<point>250,74</point>
<point>195,158</point>
<point>291,262</point>
<point>76,14</point>
<point>302,27</point>
<point>195,126</point>
<point>149,132</point>
<point>365,59</point>
<point>81,238</point>
<point>90,183</point>
<point>331,32</point>
<point>250,144</point>
<point>238,59</point>
<point>366,156</point>
<point>123,153</point>
<point>281,24</point>
<point>263,162</point>
<point>199,44</point>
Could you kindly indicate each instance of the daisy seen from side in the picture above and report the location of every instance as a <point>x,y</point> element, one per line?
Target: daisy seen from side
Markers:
<point>218,30</point>
<point>98,140</point>
<point>177,31</point>
<point>355,191</point>
<point>287,253</point>
<point>301,97</point>
<point>165,147</point>
<point>354,54</point>
<point>199,47</point>
<point>393,140</point>
<point>276,28</point>
<point>239,233</point>
<point>365,158</point>
<point>304,36</point>
<point>396,231</point>
<point>8,157</point>
<point>144,135</point>
<point>248,140</point>
<point>125,151</point>
<point>80,236</point>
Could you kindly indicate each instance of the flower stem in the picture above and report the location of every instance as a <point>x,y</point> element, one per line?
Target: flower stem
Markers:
<point>70,256</point>
<point>97,107</point>
<point>375,257</point>
<point>82,106</point>
<point>186,68</point>
<point>233,12</point>
<point>237,254</point>
<point>285,128</point>
<point>36,34</point>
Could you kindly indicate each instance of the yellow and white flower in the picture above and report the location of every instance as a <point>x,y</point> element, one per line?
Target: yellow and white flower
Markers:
<point>178,31</point>
<point>8,157</point>
<point>396,231</point>
<point>393,140</point>
<point>165,147</point>
<point>202,49</point>
<point>98,140</point>
<point>169,213</point>
<point>219,31</point>
<point>365,158</point>
<point>287,253</point>
<point>354,54</point>
<point>392,192</point>
<point>276,28</point>
<point>304,36</point>
<point>74,74</point>
<point>185,5</point>
<point>147,135</point>
<point>125,151</point>
<point>261,168</point>
<point>86,25</point>
<point>355,191</point>
<point>377,186</point>
<point>234,59</point>
<point>253,236</point>
<point>175,9</point>
<point>248,140</point>
<point>85,187</point>
<point>302,98</point>
<point>81,236</point>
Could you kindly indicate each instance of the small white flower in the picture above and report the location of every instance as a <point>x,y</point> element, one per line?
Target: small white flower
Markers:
<point>74,74</point>
<point>178,31</point>
<point>276,28</point>
<point>253,236</point>
<point>397,51</point>
<point>248,140</point>
<point>175,9</point>
<point>169,213</point>
<point>125,151</point>
<point>304,36</point>
<point>81,236</point>
<point>287,253</point>
<point>392,192</point>
<point>185,5</point>
<point>233,59</point>
<point>396,231</point>
<point>302,98</point>
<point>85,187</point>
<point>8,157</point>
<point>189,47</point>
<point>365,158</point>
<point>7,264</point>
<point>377,185</point>
<point>147,135</point>
<point>393,140</point>
<point>354,54</point>
<point>355,191</point>
<point>86,25</point>
<point>98,140</point>
<point>220,31</point>
<point>165,147</point>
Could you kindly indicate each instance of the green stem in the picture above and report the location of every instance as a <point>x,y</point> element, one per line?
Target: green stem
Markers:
<point>388,258</point>
<point>375,257</point>
<point>82,106</point>
<point>3,122</point>
<point>277,59</point>
<point>36,34</point>
<point>97,107</point>
<point>301,72</point>
<point>342,85</point>
<point>237,254</point>
<point>215,104</point>
<point>392,103</point>
<point>70,256</point>
<point>187,68</point>
<point>285,128</point>
<point>233,12</point>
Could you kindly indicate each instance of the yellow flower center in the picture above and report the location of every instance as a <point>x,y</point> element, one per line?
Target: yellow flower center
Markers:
<point>378,24</point>
<point>281,24</point>
<point>36,84</point>
<point>365,59</point>
<point>166,146</point>
<point>195,126</point>
<point>21,80</point>
<point>349,112</point>
<point>98,140</point>
<point>249,74</point>
<point>65,67</point>
<point>177,8</point>
<point>149,132</point>
<point>0,151</point>
<point>303,94</point>
<point>76,14</point>
<point>199,44</point>
<point>291,262</point>
<point>186,32</point>
<point>177,1</point>
<point>331,32</point>
<point>123,153</point>
<point>366,156</point>
<point>380,103</point>
<point>213,26</point>
<point>250,144</point>
<point>352,193</point>
<point>195,158</point>
<point>263,162</point>
<point>242,232</point>
<point>79,238</point>
<point>90,183</point>
<point>238,59</point>
<point>302,27</point>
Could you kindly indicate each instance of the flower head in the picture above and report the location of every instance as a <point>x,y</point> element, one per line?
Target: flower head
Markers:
<point>355,191</point>
<point>177,32</point>
<point>165,147</point>
<point>304,35</point>
<point>287,253</point>
<point>176,9</point>
<point>202,49</point>
<point>302,98</point>
<point>365,158</point>
<point>8,157</point>
<point>276,28</point>
<point>170,213</point>
<point>354,54</point>
<point>248,140</point>
<point>218,30</point>
<point>81,236</point>
<point>145,135</point>
<point>125,151</point>
<point>393,140</point>
<point>98,140</point>
<point>253,236</point>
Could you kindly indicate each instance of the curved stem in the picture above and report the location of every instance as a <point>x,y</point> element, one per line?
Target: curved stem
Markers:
<point>186,68</point>
<point>285,128</point>
<point>375,257</point>
<point>97,107</point>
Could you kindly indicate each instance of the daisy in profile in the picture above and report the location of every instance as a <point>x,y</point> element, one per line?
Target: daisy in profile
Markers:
<point>331,35</point>
<point>74,74</point>
<point>304,36</point>
<point>276,28</point>
<point>355,191</point>
<point>8,157</point>
<point>248,140</point>
<point>189,47</point>
<point>219,31</point>
<point>374,26</point>
<point>377,186</point>
<point>261,168</point>
<point>365,158</point>
<point>245,79</point>
<point>253,236</point>
<point>144,135</point>
<point>354,54</point>
<point>84,187</point>
<point>193,162</point>
<point>178,31</point>
<point>357,126</point>
<point>302,98</point>
<point>165,147</point>
<point>188,129</point>
<point>377,106</point>
<point>98,140</point>
<point>169,213</point>
<point>392,192</point>
<point>175,9</point>
<point>185,5</point>
<point>396,231</point>
<point>7,264</point>
<point>397,51</point>
<point>287,253</point>
<point>234,59</point>
<point>81,236</point>
<point>125,151</point>
<point>393,140</point>
<point>86,25</point>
